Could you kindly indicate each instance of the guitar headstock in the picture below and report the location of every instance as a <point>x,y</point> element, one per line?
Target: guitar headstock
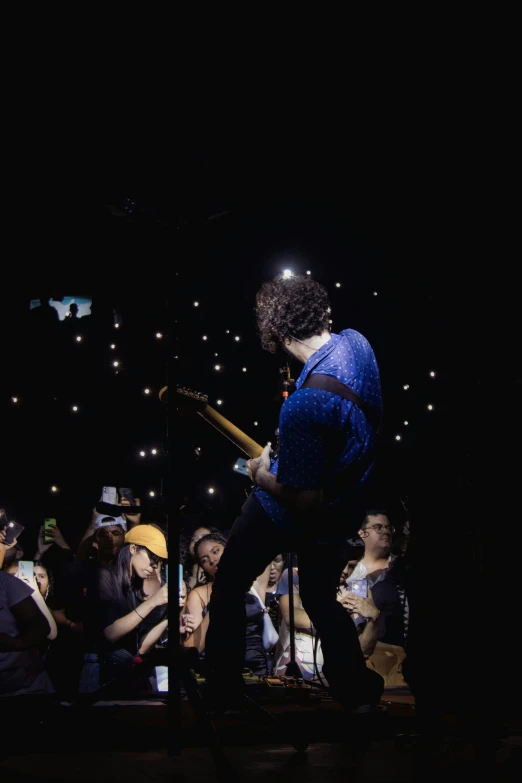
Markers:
<point>193,398</point>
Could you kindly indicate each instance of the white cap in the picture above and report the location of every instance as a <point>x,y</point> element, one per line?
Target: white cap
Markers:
<point>105,521</point>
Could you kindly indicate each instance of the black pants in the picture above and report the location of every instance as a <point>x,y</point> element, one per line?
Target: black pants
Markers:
<point>253,543</point>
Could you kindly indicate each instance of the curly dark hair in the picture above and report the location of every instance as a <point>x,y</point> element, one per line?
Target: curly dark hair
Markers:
<point>218,537</point>
<point>295,306</point>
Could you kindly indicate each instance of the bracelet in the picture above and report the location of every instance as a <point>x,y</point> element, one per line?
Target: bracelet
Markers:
<point>139,615</point>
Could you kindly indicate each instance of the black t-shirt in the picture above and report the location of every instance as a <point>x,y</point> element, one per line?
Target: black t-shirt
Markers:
<point>74,595</point>
<point>110,604</point>
<point>389,597</point>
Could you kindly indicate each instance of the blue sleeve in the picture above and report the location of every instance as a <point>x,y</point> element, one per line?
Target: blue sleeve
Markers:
<point>302,449</point>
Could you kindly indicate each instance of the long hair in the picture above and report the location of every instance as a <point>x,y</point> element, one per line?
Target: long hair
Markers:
<point>49,598</point>
<point>218,537</point>
<point>128,586</point>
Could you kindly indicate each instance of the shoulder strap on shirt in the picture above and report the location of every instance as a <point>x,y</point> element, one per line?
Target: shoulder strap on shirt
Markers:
<point>330,384</point>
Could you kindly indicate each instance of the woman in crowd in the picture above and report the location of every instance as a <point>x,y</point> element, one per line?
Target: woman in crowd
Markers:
<point>130,623</point>
<point>194,575</point>
<point>208,552</point>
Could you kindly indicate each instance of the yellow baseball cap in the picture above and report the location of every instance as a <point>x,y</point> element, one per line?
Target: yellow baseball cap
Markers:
<point>149,536</point>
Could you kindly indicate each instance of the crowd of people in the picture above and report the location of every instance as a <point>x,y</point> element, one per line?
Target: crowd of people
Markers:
<point>72,622</point>
<point>373,588</point>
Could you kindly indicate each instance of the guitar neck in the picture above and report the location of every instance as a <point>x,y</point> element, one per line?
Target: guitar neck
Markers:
<point>230,431</point>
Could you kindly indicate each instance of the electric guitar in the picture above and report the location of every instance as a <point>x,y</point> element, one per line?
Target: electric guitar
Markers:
<point>199,402</point>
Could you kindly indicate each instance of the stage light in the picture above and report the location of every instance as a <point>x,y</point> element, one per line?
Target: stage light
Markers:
<point>211,490</point>
<point>115,364</point>
<point>406,423</point>
<point>244,369</point>
<point>337,285</point>
<point>113,346</point>
<point>430,407</point>
<point>158,335</point>
<point>406,386</point>
<point>176,357</point>
<point>196,304</point>
<point>142,453</point>
<point>287,273</point>
<point>432,374</point>
<point>308,272</point>
<point>397,437</point>
<point>154,451</point>
<point>146,391</point>
<point>75,408</point>
<point>152,493</point>
<point>375,293</point>
<point>54,489</point>
<point>237,339</point>
<point>78,338</point>
<point>215,354</point>
<point>255,424</point>
<point>227,331</point>
<point>217,367</point>
<point>14,399</point>
<point>219,402</point>
<point>204,337</point>
<point>116,326</point>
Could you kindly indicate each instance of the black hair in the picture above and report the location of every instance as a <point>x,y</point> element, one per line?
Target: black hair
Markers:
<point>373,512</point>
<point>218,537</point>
<point>185,558</point>
<point>128,583</point>
<point>49,599</point>
<point>296,306</point>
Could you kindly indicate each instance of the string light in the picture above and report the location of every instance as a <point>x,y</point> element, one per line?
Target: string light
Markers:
<point>54,489</point>
<point>78,338</point>
<point>432,374</point>
<point>227,331</point>
<point>113,346</point>
<point>158,335</point>
<point>204,337</point>
<point>237,339</point>
<point>406,423</point>
<point>116,326</point>
<point>152,493</point>
<point>337,285</point>
<point>308,272</point>
<point>115,364</point>
<point>219,402</point>
<point>154,451</point>
<point>142,453</point>
<point>75,408</point>
<point>244,369</point>
<point>397,437</point>
<point>146,391</point>
<point>375,293</point>
<point>215,354</point>
<point>196,304</point>
<point>14,399</point>
<point>217,367</point>
<point>430,407</point>
<point>211,490</point>
<point>406,386</point>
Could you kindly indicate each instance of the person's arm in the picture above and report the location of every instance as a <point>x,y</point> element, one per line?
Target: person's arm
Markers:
<point>261,583</point>
<point>369,637</point>
<point>131,519</point>
<point>194,607</point>
<point>302,501</point>
<point>57,538</point>
<point>85,547</point>
<point>125,625</point>
<point>62,619</point>
<point>152,637</point>
<point>32,625</point>
<point>42,606</point>
<point>301,619</point>
<point>366,608</point>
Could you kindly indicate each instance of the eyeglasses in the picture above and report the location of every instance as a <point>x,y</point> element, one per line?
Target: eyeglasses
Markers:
<point>379,528</point>
<point>154,559</point>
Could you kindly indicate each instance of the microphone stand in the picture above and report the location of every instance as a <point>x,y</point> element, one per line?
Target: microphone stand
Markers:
<point>292,668</point>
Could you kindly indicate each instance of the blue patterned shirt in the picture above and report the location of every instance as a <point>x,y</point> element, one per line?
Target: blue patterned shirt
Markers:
<point>321,433</point>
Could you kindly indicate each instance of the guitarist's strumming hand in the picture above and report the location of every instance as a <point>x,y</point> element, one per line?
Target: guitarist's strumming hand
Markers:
<point>263,461</point>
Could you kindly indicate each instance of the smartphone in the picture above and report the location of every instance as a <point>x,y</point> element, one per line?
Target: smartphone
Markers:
<point>240,466</point>
<point>109,495</point>
<point>48,524</point>
<point>12,530</point>
<point>26,570</point>
<point>128,494</point>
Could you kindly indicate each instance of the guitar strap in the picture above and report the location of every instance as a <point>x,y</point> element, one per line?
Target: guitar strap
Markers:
<point>329,384</point>
<point>373,415</point>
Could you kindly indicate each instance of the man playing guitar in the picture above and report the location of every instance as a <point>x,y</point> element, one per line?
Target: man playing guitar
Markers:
<point>310,498</point>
